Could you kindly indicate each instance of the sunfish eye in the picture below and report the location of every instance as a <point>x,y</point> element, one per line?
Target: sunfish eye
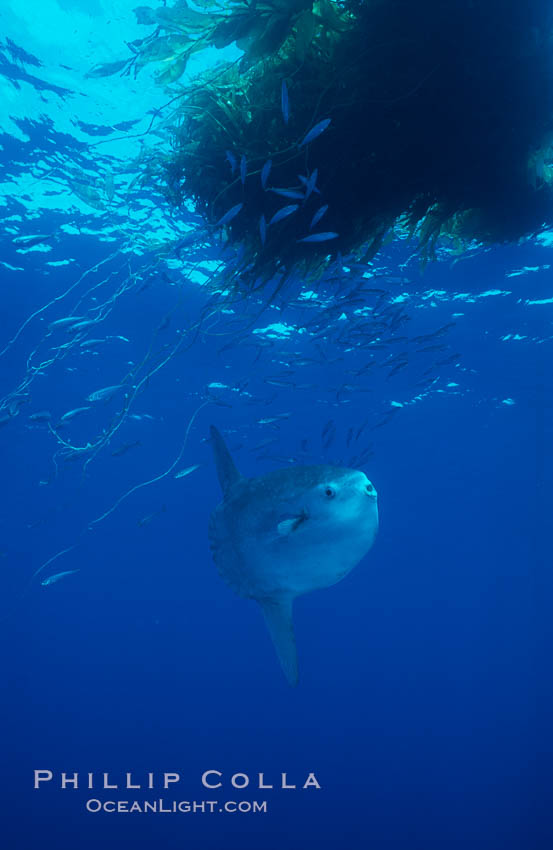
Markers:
<point>330,492</point>
<point>369,488</point>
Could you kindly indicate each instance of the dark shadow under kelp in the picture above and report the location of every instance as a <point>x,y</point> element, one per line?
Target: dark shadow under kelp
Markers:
<point>438,118</point>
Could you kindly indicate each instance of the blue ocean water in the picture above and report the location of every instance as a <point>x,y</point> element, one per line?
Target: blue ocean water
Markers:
<point>424,702</point>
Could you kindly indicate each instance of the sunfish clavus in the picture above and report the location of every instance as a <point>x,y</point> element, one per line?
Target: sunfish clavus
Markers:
<point>285,533</point>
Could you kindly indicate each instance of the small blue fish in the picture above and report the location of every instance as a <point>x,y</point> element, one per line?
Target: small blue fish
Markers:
<point>314,132</point>
<point>283,213</point>
<point>41,416</point>
<point>72,413</point>
<point>305,182</point>
<point>318,216</point>
<point>104,394</point>
<point>184,472</point>
<point>319,237</point>
<point>288,193</point>
<point>90,343</point>
<point>53,579</point>
<point>310,185</point>
<point>60,323</point>
<point>265,171</point>
<point>228,216</point>
<point>284,101</point>
<point>232,160</point>
<point>262,229</point>
<point>243,169</point>
<point>84,324</point>
<point>188,239</point>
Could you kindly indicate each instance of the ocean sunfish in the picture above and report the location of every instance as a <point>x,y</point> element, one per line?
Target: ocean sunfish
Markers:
<point>285,533</point>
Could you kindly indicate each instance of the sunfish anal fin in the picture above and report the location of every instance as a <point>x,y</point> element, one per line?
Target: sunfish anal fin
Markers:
<point>226,470</point>
<point>278,616</point>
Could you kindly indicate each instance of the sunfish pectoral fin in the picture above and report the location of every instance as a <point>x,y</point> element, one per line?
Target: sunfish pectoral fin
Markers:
<point>278,616</point>
<point>289,524</point>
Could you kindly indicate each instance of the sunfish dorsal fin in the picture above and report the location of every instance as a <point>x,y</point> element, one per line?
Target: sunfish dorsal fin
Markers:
<point>278,616</point>
<point>226,470</point>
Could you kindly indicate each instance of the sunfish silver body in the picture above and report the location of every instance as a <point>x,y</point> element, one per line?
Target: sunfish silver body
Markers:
<point>288,532</point>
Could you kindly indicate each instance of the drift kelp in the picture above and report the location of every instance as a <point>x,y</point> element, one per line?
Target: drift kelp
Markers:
<point>431,116</point>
